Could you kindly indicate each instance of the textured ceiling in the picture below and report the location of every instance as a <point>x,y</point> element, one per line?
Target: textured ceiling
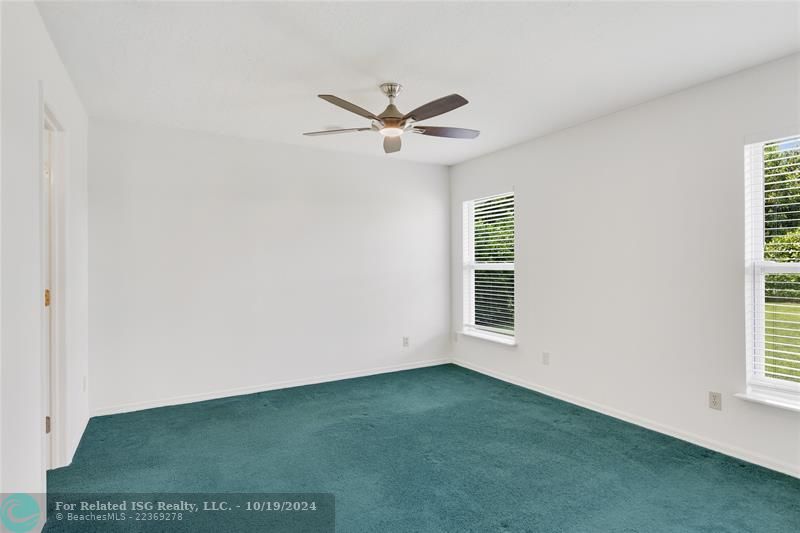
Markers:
<point>253,69</point>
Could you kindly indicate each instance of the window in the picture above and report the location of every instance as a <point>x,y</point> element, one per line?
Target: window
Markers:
<point>489,268</point>
<point>773,268</point>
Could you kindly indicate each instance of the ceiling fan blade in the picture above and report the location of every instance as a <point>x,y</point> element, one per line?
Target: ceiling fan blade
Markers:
<point>344,104</point>
<point>334,132</point>
<point>437,107</point>
<point>453,133</point>
<point>391,144</point>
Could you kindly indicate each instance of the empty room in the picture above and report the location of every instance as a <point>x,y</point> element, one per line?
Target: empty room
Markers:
<point>419,266</point>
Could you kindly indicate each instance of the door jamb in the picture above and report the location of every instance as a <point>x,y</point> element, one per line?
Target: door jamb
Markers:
<point>53,330</point>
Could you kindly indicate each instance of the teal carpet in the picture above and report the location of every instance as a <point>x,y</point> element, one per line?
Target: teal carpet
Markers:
<point>435,449</point>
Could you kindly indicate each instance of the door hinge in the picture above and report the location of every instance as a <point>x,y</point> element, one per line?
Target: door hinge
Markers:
<point>47,297</point>
<point>47,424</point>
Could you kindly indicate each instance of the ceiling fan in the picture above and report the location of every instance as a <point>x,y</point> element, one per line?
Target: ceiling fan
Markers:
<point>392,123</point>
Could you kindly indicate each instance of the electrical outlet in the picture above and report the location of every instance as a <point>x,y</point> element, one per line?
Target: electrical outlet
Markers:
<point>546,358</point>
<point>83,383</point>
<point>715,400</point>
<point>405,342</point>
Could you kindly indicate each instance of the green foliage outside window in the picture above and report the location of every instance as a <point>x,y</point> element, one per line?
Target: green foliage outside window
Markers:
<point>782,244</point>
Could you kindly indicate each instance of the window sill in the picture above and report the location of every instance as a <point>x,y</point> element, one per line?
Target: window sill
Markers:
<point>491,337</point>
<point>769,399</point>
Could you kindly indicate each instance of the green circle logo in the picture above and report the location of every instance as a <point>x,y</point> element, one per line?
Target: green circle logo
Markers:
<point>20,512</point>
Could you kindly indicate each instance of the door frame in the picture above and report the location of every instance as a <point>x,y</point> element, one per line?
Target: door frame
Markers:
<point>52,276</point>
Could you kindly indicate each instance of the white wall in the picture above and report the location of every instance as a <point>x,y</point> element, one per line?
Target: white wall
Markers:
<point>28,57</point>
<point>630,262</point>
<point>221,266</point>
<point>1,250</point>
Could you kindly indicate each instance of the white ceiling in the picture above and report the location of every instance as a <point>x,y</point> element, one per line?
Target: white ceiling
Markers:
<point>253,69</point>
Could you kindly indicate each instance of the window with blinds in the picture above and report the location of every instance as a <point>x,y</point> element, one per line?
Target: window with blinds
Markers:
<point>773,264</point>
<point>489,266</point>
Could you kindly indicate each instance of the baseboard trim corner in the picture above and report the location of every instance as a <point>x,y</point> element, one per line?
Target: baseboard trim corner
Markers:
<point>238,391</point>
<point>738,453</point>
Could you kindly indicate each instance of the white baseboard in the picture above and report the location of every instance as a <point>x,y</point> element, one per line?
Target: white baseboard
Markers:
<point>745,455</point>
<point>226,393</point>
<point>72,446</point>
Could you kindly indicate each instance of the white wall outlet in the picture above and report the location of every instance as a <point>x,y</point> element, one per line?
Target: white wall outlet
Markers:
<point>405,342</point>
<point>546,358</point>
<point>715,400</point>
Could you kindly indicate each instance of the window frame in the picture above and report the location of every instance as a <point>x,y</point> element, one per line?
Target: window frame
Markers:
<point>758,384</point>
<point>470,265</point>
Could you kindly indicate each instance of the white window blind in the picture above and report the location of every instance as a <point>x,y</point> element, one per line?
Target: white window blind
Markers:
<point>489,265</point>
<point>773,265</point>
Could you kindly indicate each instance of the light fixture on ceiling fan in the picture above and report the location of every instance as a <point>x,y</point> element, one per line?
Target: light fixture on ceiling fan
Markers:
<point>392,124</point>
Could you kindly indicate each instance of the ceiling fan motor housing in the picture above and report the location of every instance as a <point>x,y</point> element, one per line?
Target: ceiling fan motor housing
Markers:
<point>391,116</point>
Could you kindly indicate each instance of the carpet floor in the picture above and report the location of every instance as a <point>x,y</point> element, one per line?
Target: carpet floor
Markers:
<point>440,449</point>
